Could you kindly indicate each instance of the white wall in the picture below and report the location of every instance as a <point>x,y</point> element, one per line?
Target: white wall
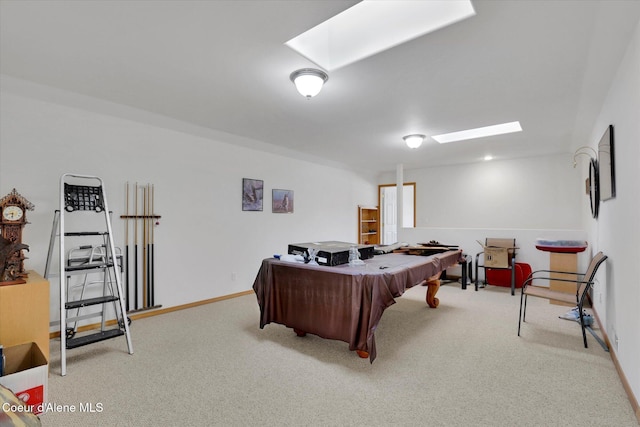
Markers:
<point>204,238</point>
<point>536,192</point>
<point>525,199</point>
<point>617,230</point>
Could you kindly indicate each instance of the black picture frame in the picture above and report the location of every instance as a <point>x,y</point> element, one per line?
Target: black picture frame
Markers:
<point>606,165</point>
<point>252,194</point>
<point>594,187</point>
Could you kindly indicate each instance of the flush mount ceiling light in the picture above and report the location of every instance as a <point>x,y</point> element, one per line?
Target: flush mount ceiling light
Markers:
<point>309,81</point>
<point>478,132</point>
<point>414,140</point>
<point>370,27</point>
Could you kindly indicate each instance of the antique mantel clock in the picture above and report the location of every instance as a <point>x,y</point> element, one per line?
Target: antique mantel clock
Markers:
<point>13,218</point>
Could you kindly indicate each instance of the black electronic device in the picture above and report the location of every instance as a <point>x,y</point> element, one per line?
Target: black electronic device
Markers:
<point>331,253</point>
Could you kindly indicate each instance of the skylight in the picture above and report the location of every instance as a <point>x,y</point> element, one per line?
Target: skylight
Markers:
<point>373,26</point>
<point>479,132</point>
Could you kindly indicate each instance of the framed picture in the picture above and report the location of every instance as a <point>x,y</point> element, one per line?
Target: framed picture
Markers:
<point>594,187</point>
<point>607,165</point>
<point>282,201</point>
<point>252,194</point>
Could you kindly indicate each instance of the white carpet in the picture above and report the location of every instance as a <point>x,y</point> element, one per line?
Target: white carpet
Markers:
<point>461,364</point>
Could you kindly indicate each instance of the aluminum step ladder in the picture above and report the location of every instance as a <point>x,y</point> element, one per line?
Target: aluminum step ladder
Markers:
<point>78,200</point>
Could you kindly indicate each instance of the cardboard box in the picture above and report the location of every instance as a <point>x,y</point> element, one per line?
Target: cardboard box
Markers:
<point>498,256</point>
<point>331,253</point>
<point>26,372</point>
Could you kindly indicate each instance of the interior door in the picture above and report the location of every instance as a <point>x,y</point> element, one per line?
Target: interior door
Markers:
<point>389,221</point>
<point>388,202</point>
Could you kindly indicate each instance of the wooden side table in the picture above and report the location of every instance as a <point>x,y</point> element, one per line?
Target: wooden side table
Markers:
<point>563,256</point>
<point>563,262</point>
<point>24,313</point>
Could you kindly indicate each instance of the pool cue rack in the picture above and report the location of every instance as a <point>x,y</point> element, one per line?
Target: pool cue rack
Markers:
<point>140,221</point>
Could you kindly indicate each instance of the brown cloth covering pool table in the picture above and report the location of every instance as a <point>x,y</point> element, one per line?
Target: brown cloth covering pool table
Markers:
<point>342,302</point>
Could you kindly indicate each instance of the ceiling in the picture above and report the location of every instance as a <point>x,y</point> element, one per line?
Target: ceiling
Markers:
<point>223,65</point>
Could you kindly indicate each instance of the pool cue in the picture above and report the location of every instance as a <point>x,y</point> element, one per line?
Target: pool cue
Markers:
<point>146,227</point>
<point>153,223</point>
<point>144,247</point>
<point>126,239</point>
<point>135,233</point>
<point>148,247</point>
<point>148,258</point>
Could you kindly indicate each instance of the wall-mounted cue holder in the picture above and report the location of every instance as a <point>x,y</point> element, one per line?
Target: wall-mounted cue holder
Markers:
<point>140,221</point>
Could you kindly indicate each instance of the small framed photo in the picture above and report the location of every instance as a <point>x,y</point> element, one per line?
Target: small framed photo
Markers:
<point>282,201</point>
<point>252,194</point>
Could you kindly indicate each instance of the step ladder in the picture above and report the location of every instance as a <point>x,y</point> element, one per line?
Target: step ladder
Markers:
<point>78,200</point>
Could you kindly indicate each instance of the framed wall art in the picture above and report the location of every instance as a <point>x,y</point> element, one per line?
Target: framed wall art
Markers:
<point>594,187</point>
<point>252,194</point>
<point>607,165</point>
<point>282,201</point>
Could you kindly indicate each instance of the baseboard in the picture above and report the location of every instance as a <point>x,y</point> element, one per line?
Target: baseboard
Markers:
<point>623,378</point>
<point>625,383</point>
<point>156,312</point>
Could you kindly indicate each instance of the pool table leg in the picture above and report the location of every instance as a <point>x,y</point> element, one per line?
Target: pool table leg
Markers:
<point>433,284</point>
<point>363,354</point>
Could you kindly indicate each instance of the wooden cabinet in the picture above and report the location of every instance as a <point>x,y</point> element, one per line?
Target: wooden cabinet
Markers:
<point>24,313</point>
<point>368,225</point>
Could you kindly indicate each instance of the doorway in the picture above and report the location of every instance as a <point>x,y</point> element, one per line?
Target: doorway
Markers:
<point>388,202</point>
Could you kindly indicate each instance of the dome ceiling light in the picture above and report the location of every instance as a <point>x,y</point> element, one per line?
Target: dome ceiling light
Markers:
<point>414,140</point>
<point>309,81</point>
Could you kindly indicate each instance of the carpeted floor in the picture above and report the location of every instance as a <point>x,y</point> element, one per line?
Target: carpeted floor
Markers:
<point>461,364</point>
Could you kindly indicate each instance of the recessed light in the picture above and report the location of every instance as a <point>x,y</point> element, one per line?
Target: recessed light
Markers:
<point>478,132</point>
<point>371,27</point>
<point>488,157</point>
